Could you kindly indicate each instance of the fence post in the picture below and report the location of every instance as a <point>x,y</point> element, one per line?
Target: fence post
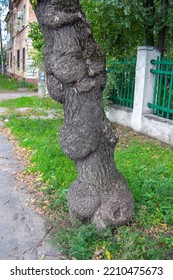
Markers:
<point>42,87</point>
<point>144,84</point>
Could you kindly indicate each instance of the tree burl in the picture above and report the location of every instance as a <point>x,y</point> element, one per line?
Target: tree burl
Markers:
<point>76,77</point>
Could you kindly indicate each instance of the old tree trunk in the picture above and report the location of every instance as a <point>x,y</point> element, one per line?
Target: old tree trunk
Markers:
<point>75,67</point>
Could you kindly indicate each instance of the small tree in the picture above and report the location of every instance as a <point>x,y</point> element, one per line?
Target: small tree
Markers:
<point>36,53</point>
<point>76,76</point>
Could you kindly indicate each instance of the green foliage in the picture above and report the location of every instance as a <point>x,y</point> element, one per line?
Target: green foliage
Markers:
<point>124,24</point>
<point>114,26</point>
<point>33,3</point>
<point>118,26</point>
<point>36,35</point>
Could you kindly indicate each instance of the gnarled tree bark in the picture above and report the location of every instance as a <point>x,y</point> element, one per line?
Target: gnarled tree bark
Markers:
<point>75,67</point>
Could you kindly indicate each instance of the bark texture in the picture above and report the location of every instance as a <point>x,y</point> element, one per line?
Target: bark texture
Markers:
<point>75,67</point>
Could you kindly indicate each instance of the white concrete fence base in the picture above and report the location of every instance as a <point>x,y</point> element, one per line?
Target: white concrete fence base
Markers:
<point>140,118</point>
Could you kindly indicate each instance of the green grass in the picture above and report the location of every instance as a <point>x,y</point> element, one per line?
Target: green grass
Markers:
<point>148,168</point>
<point>12,84</point>
<point>56,169</point>
<point>31,102</point>
<point>146,165</point>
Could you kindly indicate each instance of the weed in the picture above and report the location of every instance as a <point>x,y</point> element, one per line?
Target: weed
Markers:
<point>82,241</point>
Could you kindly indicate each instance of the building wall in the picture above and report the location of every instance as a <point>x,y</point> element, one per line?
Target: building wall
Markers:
<point>19,61</point>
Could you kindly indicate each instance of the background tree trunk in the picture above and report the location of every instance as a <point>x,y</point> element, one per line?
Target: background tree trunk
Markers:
<point>76,77</point>
<point>162,32</point>
<point>161,40</point>
<point>149,28</point>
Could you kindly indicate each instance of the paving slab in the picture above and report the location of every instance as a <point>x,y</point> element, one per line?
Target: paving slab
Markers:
<point>23,233</point>
<point>13,95</point>
<point>3,110</point>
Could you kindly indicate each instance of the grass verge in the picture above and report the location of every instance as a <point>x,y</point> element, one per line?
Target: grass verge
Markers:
<point>11,84</point>
<point>31,102</point>
<point>148,168</point>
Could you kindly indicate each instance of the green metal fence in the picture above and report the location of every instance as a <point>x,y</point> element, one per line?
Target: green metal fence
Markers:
<point>162,104</point>
<point>121,79</point>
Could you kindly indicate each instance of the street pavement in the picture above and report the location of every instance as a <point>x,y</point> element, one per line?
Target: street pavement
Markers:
<point>23,232</point>
<point>13,95</point>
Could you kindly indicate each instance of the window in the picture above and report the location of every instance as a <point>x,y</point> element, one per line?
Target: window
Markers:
<point>11,30</point>
<point>23,59</point>
<point>19,21</point>
<point>18,58</point>
<point>24,16</point>
<point>11,59</point>
<point>8,59</point>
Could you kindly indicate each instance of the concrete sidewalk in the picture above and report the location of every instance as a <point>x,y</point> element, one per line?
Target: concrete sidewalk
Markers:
<point>13,95</point>
<point>23,233</point>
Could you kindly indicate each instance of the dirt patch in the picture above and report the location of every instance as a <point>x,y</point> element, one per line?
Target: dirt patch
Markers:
<point>126,135</point>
